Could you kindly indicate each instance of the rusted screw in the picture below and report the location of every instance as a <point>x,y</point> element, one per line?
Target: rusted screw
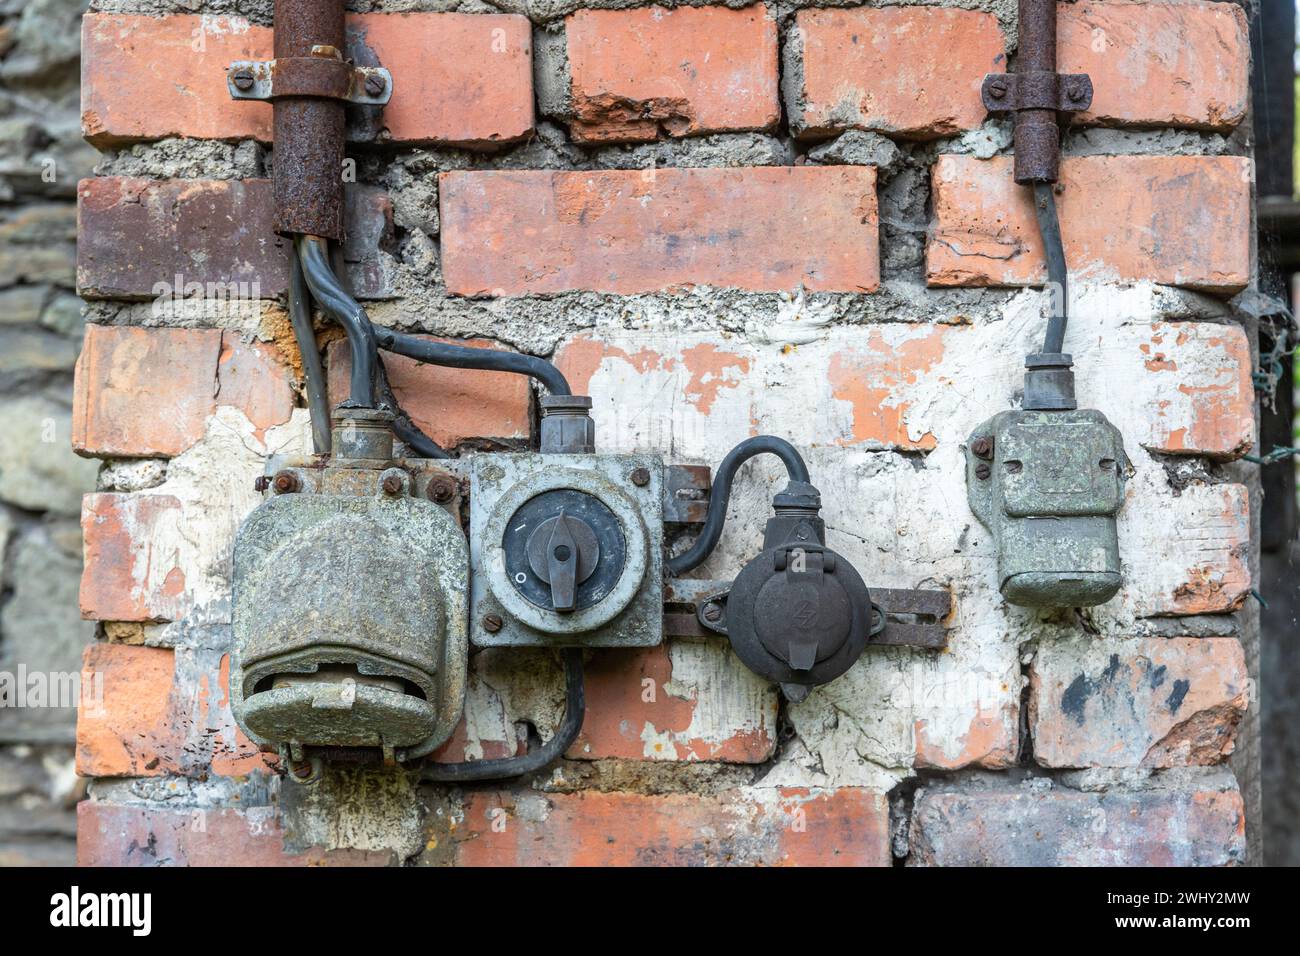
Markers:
<point>712,613</point>
<point>982,471</point>
<point>261,483</point>
<point>375,84</point>
<point>641,477</point>
<point>1076,94</point>
<point>301,770</point>
<point>243,80</point>
<point>982,447</point>
<point>997,90</point>
<point>492,623</point>
<point>286,483</point>
<point>1015,467</point>
<point>392,484</point>
<point>441,489</point>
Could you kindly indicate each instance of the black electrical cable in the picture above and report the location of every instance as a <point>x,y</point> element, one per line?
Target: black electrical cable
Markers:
<point>325,287</point>
<point>720,494</point>
<point>460,356</point>
<point>403,427</point>
<point>1049,227</point>
<point>575,708</point>
<point>318,401</point>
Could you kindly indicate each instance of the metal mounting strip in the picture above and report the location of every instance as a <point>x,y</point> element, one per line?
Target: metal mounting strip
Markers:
<point>1062,92</point>
<point>309,76</point>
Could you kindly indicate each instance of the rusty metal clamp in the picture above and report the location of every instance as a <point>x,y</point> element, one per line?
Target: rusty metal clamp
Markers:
<point>323,75</point>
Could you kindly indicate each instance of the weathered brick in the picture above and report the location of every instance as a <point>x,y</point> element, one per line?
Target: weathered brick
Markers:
<point>449,404</point>
<point>679,701</point>
<point>146,239</point>
<point>682,700</point>
<point>743,827</point>
<point>511,233</point>
<point>127,577</point>
<point>1200,822</point>
<point>162,712</point>
<point>907,71</point>
<point>1178,220</point>
<point>1187,62</point>
<point>637,73</point>
<point>120,835</point>
<point>1150,702</point>
<point>147,78</point>
<point>1190,555</point>
<point>149,392</point>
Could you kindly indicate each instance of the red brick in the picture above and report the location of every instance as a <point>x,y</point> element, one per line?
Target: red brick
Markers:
<point>1177,220</point>
<point>1041,824</point>
<point>1158,64</point>
<point>150,392</point>
<point>710,708</point>
<point>130,574</point>
<point>511,233</point>
<point>1151,702</point>
<point>117,835</point>
<point>639,73</point>
<point>162,712</point>
<point>148,78</point>
<point>744,827</point>
<point>142,238</point>
<point>450,405</point>
<point>909,71</point>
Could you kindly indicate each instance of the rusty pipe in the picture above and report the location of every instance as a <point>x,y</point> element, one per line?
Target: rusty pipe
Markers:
<point>309,130</point>
<point>1037,138</point>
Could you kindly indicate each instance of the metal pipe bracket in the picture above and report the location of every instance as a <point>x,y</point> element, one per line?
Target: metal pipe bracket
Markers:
<point>324,75</point>
<point>1060,92</point>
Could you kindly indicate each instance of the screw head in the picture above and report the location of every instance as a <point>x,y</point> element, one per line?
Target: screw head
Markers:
<point>982,471</point>
<point>441,489</point>
<point>261,483</point>
<point>243,80</point>
<point>712,613</point>
<point>286,483</point>
<point>392,484</point>
<point>641,477</point>
<point>375,84</point>
<point>1076,93</point>
<point>998,89</point>
<point>492,623</point>
<point>982,447</point>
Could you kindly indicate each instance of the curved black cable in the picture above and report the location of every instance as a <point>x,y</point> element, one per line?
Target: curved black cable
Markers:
<point>1049,227</point>
<point>716,517</point>
<point>336,303</point>
<point>318,401</point>
<point>403,426</point>
<point>575,709</point>
<point>460,356</point>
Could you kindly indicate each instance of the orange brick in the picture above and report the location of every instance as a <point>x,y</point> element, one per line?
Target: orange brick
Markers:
<point>117,835</point>
<point>749,827</point>
<point>162,712</point>
<point>450,405</point>
<point>1177,220</point>
<point>639,73</point>
<point>910,71</point>
<point>126,576</point>
<point>1151,702</point>
<point>147,78</point>
<point>761,229</point>
<point>1166,64</point>
<point>638,709</point>
<point>150,392</point>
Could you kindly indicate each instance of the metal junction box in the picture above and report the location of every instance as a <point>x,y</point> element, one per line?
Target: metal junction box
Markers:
<point>1048,484</point>
<point>351,612</point>
<point>566,550</point>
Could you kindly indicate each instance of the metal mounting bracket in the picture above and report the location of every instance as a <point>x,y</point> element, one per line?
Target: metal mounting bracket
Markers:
<point>1061,92</point>
<point>325,76</point>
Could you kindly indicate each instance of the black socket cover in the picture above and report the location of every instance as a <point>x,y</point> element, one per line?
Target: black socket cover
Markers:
<point>799,613</point>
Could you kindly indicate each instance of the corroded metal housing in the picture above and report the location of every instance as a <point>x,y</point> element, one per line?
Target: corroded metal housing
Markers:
<point>351,613</point>
<point>1048,485</point>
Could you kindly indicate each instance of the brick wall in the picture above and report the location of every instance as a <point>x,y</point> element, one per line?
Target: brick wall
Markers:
<point>719,221</point>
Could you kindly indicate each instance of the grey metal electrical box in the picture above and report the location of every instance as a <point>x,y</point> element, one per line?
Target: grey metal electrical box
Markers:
<point>351,599</point>
<point>1048,485</point>
<point>566,550</point>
